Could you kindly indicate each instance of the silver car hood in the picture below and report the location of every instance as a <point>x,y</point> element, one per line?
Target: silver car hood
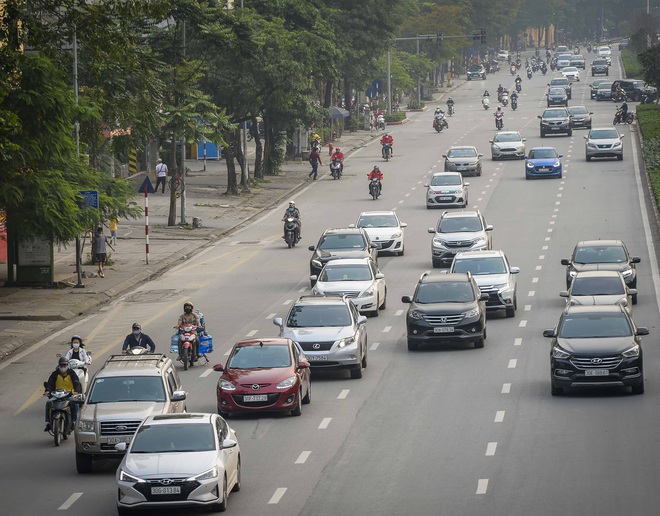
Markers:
<point>123,410</point>
<point>330,333</point>
<point>174,464</point>
<point>337,287</point>
<point>484,280</point>
<point>459,236</point>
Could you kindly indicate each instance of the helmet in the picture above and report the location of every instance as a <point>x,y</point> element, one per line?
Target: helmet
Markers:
<point>449,98</point>
<point>291,203</point>
<point>376,169</point>
<point>77,337</point>
<point>63,361</point>
<point>189,303</point>
<point>337,149</point>
<point>386,135</point>
<point>136,326</point>
<point>438,107</point>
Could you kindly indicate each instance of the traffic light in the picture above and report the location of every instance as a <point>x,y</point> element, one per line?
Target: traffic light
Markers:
<point>483,36</point>
<point>438,40</point>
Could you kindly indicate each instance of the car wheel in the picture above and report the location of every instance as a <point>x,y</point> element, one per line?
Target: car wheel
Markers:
<point>588,157</point>
<point>357,372</point>
<point>412,345</point>
<point>384,305</point>
<point>620,157</point>
<point>223,414</point>
<point>560,175</point>
<point>478,344</point>
<point>634,299</point>
<point>222,506</point>
<point>308,397</point>
<point>84,463</point>
<point>436,265</point>
<point>237,485</point>
<point>510,311</point>
<point>364,358</point>
<point>638,389</point>
<point>556,391</point>
<point>297,409</point>
<point>542,134</point>
<point>402,251</point>
<point>479,172</point>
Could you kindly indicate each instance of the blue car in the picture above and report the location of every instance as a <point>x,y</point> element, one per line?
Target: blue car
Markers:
<point>543,162</point>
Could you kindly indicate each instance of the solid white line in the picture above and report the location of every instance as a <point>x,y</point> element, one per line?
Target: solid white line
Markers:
<point>374,346</point>
<point>69,501</point>
<point>279,493</point>
<point>270,316</point>
<point>522,324</point>
<point>287,302</point>
<point>302,458</point>
<point>506,388</point>
<point>343,394</point>
<point>499,416</point>
<point>398,313</point>
<point>482,486</point>
<point>512,363</point>
<point>531,293</point>
<point>387,329</point>
<point>528,308</point>
<point>324,424</point>
<point>252,333</point>
<point>490,449</point>
<point>517,341</point>
<point>206,373</point>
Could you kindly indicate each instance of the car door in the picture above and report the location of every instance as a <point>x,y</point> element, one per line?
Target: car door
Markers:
<point>171,386</point>
<point>302,374</point>
<point>227,457</point>
<point>360,329</point>
<point>380,283</point>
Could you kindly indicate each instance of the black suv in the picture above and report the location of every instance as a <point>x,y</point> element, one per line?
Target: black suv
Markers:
<point>341,243</point>
<point>600,67</point>
<point>476,71</point>
<point>596,346</point>
<point>556,120</point>
<point>635,90</point>
<point>444,308</point>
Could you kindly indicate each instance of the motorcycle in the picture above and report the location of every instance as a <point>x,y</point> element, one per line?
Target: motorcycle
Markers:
<point>619,119</point>
<point>387,151</point>
<point>505,99</point>
<point>183,340</point>
<point>544,69</point>
<point>137,350</point>
<point>576,51</point>
<point>529,74</point>
<point>187,337</point>
<point>485,102</point>
<point>513,69</point>
<point>440,123</point>
<point>59,413</point>
<point>335,169</point>
<point>518,87</point>
<point>291,232</point>
<point>499,121</point>
<point>374,188</point>
<point>514,103</point>
<point>450,109</point>
<point>380,122</point>
<point>80,368</point>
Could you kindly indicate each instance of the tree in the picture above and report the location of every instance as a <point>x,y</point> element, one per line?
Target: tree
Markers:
<point>650,61</point>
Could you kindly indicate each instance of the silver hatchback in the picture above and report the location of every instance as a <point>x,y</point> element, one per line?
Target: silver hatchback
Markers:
<point>447,189</point>
<point>507,144</point>
<point>603,142</point>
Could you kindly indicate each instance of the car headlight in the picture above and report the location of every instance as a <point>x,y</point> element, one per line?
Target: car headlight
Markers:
<point>572,273</point>
<point>496,147</point>
<point>345,342</point>
<point>530,164</point>
<point>368,292</point>
<point>207,475</point>
<point>480,241</point>
<point>125,477</point>
<point>398,234</point>
<point>471,313</point>
<point>289,382</point>
<point>592,145</point>
<point>438,241</point>
<point>227,386</point>
<point>85,426</point>
<point>632,352</point>
<point>617,144</point>
<point>557,352</point>
<point>317,263</point>
<point>557,163</point>
<point>627,273</point>
<point>414,314</point>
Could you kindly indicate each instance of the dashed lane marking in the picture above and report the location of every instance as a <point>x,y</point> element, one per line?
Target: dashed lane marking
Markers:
<point>531,293</point>
<point>324,424</point>
<point>522,324</point>
<point>277,496</point>
<point>538,267</point>
<point>69,501</point>
<point>206,373</point>
<point>302,458</point>
<point>528,308</point>
<point>252,333</point>
<point>270,316</point>
<point>387,329</point>
<point>490,449</point>
<point>482,486</point>
<point>535,280</point>
<point>512,363</point>
<point>506,388</point>
<point>374,346</point>
<point>398,313</point>
<point>343,394</point>
<point>499,416</point>
<point>517,341</point>
<point>287,302</point>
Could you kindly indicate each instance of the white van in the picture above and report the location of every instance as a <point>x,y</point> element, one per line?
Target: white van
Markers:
<point>605,53</point>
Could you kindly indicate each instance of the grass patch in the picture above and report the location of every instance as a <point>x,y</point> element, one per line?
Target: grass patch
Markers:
<point>395,117</point>
<point>648,118</point>
<point>631,65</point>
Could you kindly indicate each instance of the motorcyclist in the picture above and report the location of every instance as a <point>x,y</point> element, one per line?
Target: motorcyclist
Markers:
<point>500,88</point>
<point>624,111</point>
<point>77,351</point>
<point>529,71</point>
<point>294,212</point>
<point>514,98</point>
<point>518,79</point>
<point>486,94</point>
<point>450,104</point>
<point>498,114</point>
<point>337,155</point>
<point>190,317</point>
<point>376,173</point>
<point>62,378</point>
<point>387,139</point>
<point>438,117</point>
<point>137,339</point>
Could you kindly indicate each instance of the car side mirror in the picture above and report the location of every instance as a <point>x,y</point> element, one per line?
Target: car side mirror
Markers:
<point>431,230</point>
<point>178,395</point>
<point>373,246</point>
<point>403,224</point>
<point>479,155</point>
<point>466,184</point>
<point>314,277</point>
<point>524,139</point>
<point>642,330</point>
<point>590,113</point>
<point>121,447</point>
<point>228,443</point>
<point>444,156</point>
<point>219,368</point>
<point>636,259</point>
<point>561,155</point>
<point>632,291</point>
<point>539,116</point>
<point>622,136</point>
<point>491,141</point>
<point>426,185</point>
<point>277,321</point>
<point>380,275</point>
<point>563,293</point>
<point>362,319</point>
<point>303,364</point>
<point>406,299</point>
<point>514,270</point>
<point>565,261</point>
<point>311,248</point>
<point>489,227</point>
<point>525,156</point>
<point>549,333</point>
<point>484,297</point>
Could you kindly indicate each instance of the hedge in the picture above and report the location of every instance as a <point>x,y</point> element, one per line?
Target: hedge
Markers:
<point>648,119</point>
<point>395,117</point>
<point>631,65</point>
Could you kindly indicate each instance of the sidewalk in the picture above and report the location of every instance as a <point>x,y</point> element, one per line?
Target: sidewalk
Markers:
<point>205,199</point>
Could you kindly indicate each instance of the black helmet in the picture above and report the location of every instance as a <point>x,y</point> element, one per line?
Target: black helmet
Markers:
<point>136,326</point>
<point>63,361</point>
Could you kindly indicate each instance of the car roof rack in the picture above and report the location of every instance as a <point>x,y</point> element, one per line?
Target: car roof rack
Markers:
<point>156,358</point>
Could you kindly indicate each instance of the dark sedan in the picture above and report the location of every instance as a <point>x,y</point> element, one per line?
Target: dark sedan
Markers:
<point>557,97</point>
<point>594,86</point>
<point>581,117</point>
<point>604,91</point>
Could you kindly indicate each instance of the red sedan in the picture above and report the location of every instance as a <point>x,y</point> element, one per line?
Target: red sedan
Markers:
<point>264,375</point>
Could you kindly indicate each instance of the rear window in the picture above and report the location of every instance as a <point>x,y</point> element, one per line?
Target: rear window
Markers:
<point>609,286</point>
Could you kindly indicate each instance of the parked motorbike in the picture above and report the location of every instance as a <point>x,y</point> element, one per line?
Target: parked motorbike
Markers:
<point>514,103</point>
<point>499,121</point>
<point>291,232</point>
<point>335,169</point>
<point>619,118</point>
<point>374,188</point>
<point>485,102</point>
<point>59,413</point>
<point>387,151</point>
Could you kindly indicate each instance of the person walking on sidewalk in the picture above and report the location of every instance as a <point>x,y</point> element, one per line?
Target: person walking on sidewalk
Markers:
<point>100,241</point>
<point>315,161</point>
<point>161,174</point>
<point>112,225</point>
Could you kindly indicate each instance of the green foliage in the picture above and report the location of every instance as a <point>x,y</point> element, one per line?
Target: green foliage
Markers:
<point>648,118</point>
<point>630,64</point>
<point>650,64</point>
<point>395,117</point>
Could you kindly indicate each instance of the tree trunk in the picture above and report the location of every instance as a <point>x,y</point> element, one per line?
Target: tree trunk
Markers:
<point>327,95</point>
<point>259,150</point>
<point>173,170</point>
<point>268,145</point>
<point>232,185</point>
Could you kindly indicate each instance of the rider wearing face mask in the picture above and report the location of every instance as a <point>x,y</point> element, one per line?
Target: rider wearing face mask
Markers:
<point>294,212</point>
<point>77,351</point>
<point>190,317</point>
<point>138,339</point>
<point>63,378</point>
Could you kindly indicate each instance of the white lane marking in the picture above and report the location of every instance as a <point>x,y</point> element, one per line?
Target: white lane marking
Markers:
<point>287,302</point>
<point>549,230</point>
<point>227,352</point>
<point>324,424</point>
<point>343,394</point>
<point>398,313</point>
<point>490,449</point>
<point>559,195</point>
<point>374,346</point>
<point>541,257</point>
<point>512,363</point>
<point>69,501</point>
<point>206,373</point>
<point>506,388</point>
<point>407,195</point>
<point>277,496</point>
<point>252,333</point>
<point>270,316</point>
<point>539,267</point>
<point>552,222</point>
<point>387,329</point>
<point>531,293</point>
<point>400,202</point>
<point>557,203</point>
<point>499,416</point>
<point>517,341</point>
<point>522,324</point>
<point>483,193</point>
<point>547,239</point>
<point>303,289</point>
<point>479,199</point>
<point>528,308</point>
<point>482,486</point>
<point>535,280</point>
<point>414,188</point>
<point>544,248</point>
<point>302,458</point>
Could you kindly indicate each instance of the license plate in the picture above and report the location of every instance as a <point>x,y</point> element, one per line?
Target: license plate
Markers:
<point>115,440</point>
<point>461,169</point>
<point>255,397</point>
<point>316,358</point>
<point>443,329</point>
<point>597,372</point>
<point>165,490</point>
<point>554,128</point>
<point>445,198</point>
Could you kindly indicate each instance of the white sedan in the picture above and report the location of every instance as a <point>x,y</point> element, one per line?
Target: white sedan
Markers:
<point>384,229</point>
<point>571,73</point>
<point>503,55</point>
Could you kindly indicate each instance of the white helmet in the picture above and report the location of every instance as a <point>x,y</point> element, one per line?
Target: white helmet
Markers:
<point>292,203</point>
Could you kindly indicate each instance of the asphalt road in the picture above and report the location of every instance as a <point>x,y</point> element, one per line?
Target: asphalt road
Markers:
<point>444,431</point>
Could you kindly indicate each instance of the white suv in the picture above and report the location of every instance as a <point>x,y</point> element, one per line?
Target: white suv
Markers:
<point>456,232</point>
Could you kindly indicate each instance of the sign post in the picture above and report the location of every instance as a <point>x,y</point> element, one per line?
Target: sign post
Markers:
<point>147,188</point>
<point>90,200</point>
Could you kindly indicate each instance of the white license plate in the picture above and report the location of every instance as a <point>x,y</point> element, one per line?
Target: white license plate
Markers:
<point>443,329</point>
<point>461,169</point>
<point>555,128</point>
<point>445,198</point>
<point>115,440</point>
<point>597,372</point>
<point>316,358</point>
<point>165,490</point>
<point>255,397</point>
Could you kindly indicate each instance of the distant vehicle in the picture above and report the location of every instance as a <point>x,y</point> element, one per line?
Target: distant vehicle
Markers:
<point>556,97</point>
<point>476,72</point>
<point>599,67</point>
<point>456,232</point>
<point>580,116</point>
<point>543,162</point>
<point>556,120</point>
<point>603,142</point>
<point>595,288</point>
<point>446,189</point>
<point>507,144</point>
<point>384,229</point>
<point>464,159</point>
<point>503,55</point>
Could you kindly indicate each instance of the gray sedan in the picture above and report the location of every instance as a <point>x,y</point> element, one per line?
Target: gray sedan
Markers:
<point>465,160</point>
<point>507,144</point>
<point>603,142</point>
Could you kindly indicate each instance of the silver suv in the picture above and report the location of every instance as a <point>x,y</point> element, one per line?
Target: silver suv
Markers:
<point>494,277</point>
<point>330,331</point>
<point>456,232</point>
<point>123,392</point>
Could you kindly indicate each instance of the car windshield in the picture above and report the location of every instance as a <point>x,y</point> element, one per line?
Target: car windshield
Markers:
<point>460,225</point>
<point>570,69</point>
<point>462,153</point>
<point>559,82</point>
<point>609,286</point>
<point>475,68</point>
<point>598,254</point>
<point>259,357</point>
<point>480,266</point>
<point>114,389</point>
<point>448,180</point>
<point>557,91</point>
<point>542,154</point>
<point>444,292</point>
<point>600,62</point>
<point>388,220</point>
<point>578,110</point>
<point>637,84</point>
<point>554,113</point>
<point>605,86</point>
<point>345,273</point>
<point>585,326</point>
<point>174,438</point>
<point>342,241</point>
<point>318,316</point>
<point>515,137</point>
<point>603,134</point>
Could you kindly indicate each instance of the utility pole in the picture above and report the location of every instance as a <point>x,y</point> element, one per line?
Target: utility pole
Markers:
<point>79,283</point>
<point>389,85</point>
<point>419,82</point>
<point>183,147</point>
